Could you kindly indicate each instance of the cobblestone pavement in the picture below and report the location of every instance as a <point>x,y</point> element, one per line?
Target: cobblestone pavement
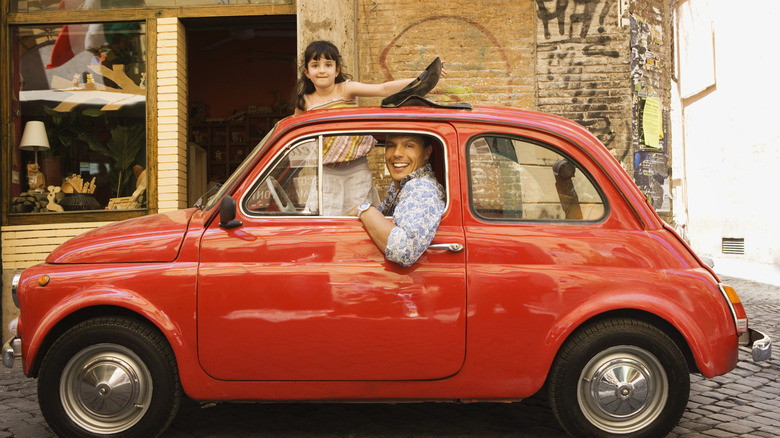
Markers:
<point>742,403</point>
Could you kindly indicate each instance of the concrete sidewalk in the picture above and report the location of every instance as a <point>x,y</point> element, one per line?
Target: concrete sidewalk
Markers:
<point>759,273</point>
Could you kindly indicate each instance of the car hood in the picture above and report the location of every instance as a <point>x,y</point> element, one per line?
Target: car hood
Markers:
<point>153,238</point>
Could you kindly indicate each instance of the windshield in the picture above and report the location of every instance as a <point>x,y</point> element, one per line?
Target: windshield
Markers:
<point>212,201</point>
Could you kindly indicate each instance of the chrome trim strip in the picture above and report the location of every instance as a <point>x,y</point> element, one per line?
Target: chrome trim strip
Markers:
<point>730,304</point>
<point>320,176</point>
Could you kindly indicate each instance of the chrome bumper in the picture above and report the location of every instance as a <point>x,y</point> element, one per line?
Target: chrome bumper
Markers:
<point>760,345</point>
<point>11,350</point>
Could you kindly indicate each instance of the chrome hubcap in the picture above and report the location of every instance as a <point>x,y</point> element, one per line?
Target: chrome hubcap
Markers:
<point>622,389</point>
<point>106,388</point>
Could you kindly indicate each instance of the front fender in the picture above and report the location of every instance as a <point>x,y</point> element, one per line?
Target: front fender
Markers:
<point>43,308</point>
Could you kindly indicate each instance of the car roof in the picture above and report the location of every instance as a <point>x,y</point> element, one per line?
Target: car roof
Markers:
<point>495,115</point>
<point>487,114</point>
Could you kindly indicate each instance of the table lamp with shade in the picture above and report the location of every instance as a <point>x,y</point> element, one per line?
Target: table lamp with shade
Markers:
<point>34,139</point>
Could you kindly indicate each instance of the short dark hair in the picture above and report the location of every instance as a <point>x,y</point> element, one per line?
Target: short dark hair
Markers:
<point>426,140</point>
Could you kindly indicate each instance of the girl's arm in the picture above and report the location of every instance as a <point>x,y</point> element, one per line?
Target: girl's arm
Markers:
<point>359,89</point>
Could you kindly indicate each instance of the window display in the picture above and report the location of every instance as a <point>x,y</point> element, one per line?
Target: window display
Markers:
<point>80,90</point>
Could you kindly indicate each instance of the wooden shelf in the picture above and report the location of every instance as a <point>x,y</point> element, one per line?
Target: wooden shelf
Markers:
<point>227,143</point>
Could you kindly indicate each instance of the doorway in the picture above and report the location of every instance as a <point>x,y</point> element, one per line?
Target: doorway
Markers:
<point>241,74</point>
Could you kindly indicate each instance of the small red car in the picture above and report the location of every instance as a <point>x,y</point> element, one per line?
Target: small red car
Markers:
<point>549,270</point>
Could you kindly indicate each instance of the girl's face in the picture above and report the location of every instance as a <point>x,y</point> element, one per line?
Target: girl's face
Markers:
<point>322,72</point>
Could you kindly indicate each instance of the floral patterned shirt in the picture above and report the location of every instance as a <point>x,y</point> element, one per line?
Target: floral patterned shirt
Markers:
<point>416,208</point>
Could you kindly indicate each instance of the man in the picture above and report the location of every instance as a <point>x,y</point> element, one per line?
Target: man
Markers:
<point>415,200</point>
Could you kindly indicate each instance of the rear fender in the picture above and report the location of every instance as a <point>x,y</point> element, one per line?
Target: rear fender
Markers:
<point>713,346</point>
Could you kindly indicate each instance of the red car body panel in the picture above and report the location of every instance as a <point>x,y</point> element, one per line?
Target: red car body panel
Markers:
<point>287,309</point>
<point>153,238</point>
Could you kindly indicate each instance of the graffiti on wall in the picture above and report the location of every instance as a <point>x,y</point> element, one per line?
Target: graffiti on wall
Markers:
<point>577,34</point>
<point>581,16</point>
<point>650,133</point>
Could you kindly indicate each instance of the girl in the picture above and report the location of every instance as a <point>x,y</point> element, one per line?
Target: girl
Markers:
<point>323,84</point>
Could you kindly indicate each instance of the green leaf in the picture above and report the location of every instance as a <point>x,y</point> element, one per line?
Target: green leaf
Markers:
<point>123,147</point>
<point>125,144</point>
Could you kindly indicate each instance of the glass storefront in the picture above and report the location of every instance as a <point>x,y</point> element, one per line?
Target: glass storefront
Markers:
<point>51,5</point>
<point>85,86</point>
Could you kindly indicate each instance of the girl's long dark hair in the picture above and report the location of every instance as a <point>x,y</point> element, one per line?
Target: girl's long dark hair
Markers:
<point>317,50</point>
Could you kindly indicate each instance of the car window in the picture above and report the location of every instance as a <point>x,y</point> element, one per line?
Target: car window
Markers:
<point>287,189</point>
<point>516,179</point>
<point>351,171</point>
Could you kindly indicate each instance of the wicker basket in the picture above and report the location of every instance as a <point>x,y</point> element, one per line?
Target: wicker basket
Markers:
<point>79,201</point>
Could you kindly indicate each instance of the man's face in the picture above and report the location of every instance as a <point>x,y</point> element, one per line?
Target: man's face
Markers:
<point>404,154</point>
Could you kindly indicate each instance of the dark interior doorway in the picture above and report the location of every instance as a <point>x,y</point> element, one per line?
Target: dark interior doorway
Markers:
<point>241,74</point>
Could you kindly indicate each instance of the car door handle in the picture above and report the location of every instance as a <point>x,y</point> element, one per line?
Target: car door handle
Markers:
<point>451,247</point>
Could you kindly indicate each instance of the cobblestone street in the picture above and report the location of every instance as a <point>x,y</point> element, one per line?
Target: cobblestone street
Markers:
<point>742,403</point>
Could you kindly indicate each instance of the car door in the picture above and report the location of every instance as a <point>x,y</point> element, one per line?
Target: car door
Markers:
<point>295,295</point>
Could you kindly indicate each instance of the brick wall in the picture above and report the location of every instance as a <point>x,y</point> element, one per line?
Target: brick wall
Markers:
<point>582,69</point>
<point>487,46</point>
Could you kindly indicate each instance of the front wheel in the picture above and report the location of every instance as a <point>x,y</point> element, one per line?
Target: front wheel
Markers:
<point>109,377</point>
<point>619,378</point>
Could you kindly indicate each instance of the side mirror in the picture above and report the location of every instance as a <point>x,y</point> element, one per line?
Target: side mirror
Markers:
<point>227,213</point>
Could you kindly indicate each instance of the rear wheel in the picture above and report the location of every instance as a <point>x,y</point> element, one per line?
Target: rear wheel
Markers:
<point>619,378</point>
<point>112,377</point>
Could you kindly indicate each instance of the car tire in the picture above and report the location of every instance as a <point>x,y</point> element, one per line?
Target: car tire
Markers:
<point>619,378</point>
<point>141,397</point>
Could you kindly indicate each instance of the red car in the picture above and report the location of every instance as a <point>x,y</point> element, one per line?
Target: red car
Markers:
<point>549,270</point>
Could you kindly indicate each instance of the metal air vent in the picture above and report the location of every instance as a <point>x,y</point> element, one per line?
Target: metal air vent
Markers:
<point>733,245</point>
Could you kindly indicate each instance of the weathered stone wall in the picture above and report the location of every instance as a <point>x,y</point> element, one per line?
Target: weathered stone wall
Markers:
<point>591,61</point>
<point>331,20</point>
<point>651,68</point>
<point>582,69</point>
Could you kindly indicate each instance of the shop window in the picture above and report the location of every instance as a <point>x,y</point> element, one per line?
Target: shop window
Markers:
<point>51,5</point>
<point>80,91</point>
<point>512,179</point>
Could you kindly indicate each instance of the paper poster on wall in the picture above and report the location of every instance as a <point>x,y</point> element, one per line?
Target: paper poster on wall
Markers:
<point>651,122</point>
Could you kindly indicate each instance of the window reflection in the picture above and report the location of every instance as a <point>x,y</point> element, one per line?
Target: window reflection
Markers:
<point>512,179</point>
<point>51,5</point>
<point>87,84</point>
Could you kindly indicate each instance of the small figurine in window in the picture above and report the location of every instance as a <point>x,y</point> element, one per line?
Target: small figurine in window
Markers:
<point>35,178</point>
<point>51,196</point>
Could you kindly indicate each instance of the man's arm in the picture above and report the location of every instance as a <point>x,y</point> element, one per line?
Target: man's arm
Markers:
<point>377,226</point>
